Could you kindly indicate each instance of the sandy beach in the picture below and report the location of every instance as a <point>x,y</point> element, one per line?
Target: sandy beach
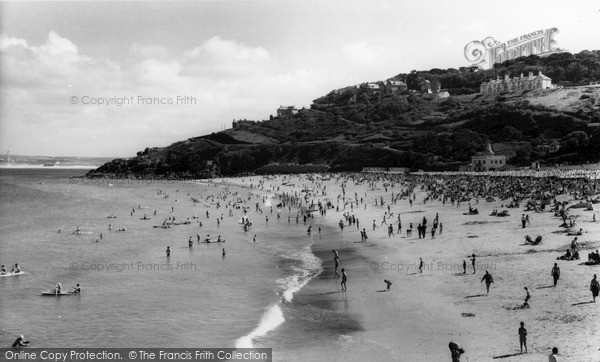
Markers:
<point>425,311</point>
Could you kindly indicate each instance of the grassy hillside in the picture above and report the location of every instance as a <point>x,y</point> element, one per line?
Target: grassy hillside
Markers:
<point>348,131</point>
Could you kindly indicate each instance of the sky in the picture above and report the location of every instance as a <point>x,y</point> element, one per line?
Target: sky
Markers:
<point>108,79</point>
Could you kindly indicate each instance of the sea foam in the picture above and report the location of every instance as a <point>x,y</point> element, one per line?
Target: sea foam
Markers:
<point>272,318</point>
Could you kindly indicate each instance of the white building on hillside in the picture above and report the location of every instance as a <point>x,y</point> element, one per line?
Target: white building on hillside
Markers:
<point>487,161</point>
<point>521,83</point>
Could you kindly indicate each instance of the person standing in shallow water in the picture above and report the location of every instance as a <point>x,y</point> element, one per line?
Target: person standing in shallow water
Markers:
<point>344,279</point>
<point>336,260</point>
<point>168,251</point>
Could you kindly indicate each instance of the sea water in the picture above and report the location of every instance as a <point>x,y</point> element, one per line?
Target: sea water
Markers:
<point>132,294</point>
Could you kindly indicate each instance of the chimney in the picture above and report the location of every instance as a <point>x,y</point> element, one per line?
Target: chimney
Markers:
<point>521,75</point>
<point>531,74</point>
<point>506,76</point>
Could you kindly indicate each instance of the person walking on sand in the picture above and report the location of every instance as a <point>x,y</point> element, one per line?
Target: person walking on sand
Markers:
<point>523,337</point>
<point>594,287</point>
<point>421,265</point>
<point>473,262</point>
<point>464,266</point>
<point>337,263</point>
<point>455,351</point>
<point>527,297</point>
<point>555,273</point>
<point>168,251</point>
<point>388,284</point>
<point>523,221</point>
<point>488,281</point>
<point>552,357</point>
<point>344,279</point>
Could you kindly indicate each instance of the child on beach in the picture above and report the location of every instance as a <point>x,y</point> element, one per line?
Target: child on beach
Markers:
<point>421,265</point>
<point>523,337</point>
<point>388,284</point>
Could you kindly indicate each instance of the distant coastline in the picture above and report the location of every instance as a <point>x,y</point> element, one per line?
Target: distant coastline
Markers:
<point>62,162</point>
<point>24,165</point>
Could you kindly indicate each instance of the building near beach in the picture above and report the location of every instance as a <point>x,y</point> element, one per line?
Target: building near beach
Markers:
<point>487,161</point>
<point>532,82</point>
<point>374,169</point>
<point>286,111</point>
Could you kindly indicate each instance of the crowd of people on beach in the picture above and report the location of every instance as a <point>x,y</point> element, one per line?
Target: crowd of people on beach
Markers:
<point>456,190</point>
<point>539,193</point>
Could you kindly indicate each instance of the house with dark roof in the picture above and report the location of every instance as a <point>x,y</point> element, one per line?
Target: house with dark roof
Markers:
<point>395,86</point>
<point>531,82</point>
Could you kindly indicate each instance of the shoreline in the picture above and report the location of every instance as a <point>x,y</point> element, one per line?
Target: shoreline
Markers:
<point>424,312</point>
